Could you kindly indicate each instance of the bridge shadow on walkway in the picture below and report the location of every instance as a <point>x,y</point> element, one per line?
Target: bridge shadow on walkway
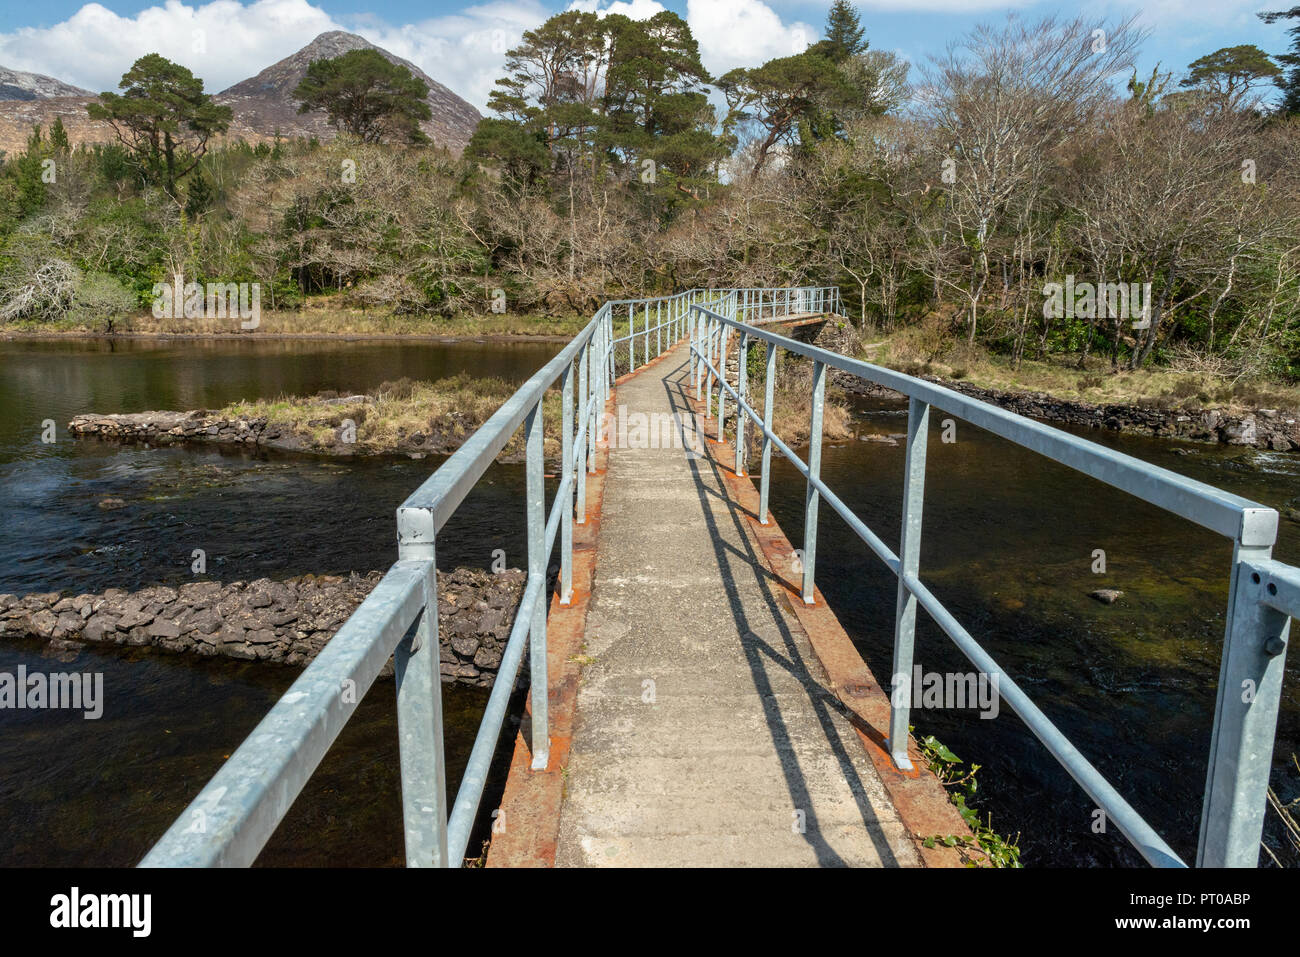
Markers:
<point>706,732</point>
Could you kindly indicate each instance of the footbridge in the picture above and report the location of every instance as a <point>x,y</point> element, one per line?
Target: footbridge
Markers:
<point>692,698</point>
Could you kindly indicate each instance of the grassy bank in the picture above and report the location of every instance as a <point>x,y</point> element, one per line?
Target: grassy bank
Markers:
<point>314,320</point>
<point>401,416</point>
<point>792,400</point>
<point>920,350</point>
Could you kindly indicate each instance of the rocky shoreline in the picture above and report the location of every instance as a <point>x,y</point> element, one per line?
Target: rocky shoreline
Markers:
<point>199,425</point>
<point>284,621</point>
<point>1273,429</point>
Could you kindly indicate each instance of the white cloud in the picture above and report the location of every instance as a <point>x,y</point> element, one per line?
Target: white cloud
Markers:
<point>730,33</point>
<point>734,33</point>
<point>225,41</point>
<point>464,51</point>
<point>942,6</point>
<point>633,10</point>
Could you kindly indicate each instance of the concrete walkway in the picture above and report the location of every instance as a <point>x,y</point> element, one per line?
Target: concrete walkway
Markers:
<point>705,733</point>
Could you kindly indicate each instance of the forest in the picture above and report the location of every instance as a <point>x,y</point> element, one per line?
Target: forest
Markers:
<point>1025,192</point>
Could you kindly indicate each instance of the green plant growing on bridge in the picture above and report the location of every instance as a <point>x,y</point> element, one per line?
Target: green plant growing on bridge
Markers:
<point>986,848</point>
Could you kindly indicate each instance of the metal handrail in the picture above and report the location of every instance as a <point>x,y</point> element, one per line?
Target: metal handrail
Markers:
<point>1263,596</point>
<point>235,814</point>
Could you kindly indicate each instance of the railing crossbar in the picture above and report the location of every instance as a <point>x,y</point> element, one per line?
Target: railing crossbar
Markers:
<point>1238,770</point>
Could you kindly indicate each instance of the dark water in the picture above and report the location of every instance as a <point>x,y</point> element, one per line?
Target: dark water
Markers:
<point>1007,545</point>
<point>100,792</point>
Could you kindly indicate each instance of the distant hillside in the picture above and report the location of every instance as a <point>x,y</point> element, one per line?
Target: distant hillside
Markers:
<point>17,117</point>
<point>17,85</point>
<point>263,105</point>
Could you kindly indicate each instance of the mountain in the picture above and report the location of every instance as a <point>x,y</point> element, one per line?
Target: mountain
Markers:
<point>17,85</point>
<point>264,103</point>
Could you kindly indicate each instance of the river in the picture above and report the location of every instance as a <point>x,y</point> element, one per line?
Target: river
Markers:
<point>76,792</point>
<point>1008,545</point>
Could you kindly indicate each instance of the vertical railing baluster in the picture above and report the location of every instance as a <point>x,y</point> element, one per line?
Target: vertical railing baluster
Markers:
<point>708,372</point>
<point>742,419</point>
<point>598,386</point>
<point>584,418</point>
<point>769,390</point>
<point>721,365</point>
<point>536,494</point>
<point>812,496</point>
<point>1251,673</point>
<point>419,732</point>
<point>909,563</point>
<point>697,332</point>
<point>659,329</point>
<point>567,483</point>
<point>724,336</point>
<point>645,336</point>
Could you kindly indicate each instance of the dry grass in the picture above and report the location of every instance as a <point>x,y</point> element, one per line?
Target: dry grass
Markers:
<point>402,415</point>
<point>920,350</point>
<point>320,318</point>
<point>792,401</point>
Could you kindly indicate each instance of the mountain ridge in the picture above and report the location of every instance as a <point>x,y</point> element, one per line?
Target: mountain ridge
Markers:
<point>262,104</point>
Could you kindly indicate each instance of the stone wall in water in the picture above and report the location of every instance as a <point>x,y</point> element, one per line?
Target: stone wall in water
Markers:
<point>264,620</point>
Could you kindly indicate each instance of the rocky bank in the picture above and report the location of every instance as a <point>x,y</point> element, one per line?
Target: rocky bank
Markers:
<point>264,620</point>
<point>199,425</point>
<point>1274,429</point>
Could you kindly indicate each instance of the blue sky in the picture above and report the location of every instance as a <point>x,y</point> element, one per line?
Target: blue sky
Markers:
<point>461,44</point>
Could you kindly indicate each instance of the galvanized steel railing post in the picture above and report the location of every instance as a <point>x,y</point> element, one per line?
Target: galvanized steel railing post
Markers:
<point>419,734</point>
<point>909,563</point>
<point>724,336</point>
<point>659,329</point>
<point>598,377</point>
<point>567,483</point>
<point>611,370</point>
<point>697,332</point>
<point>645,337</point>
<point>1245,719</point>
<point>769,390</point>
<point>812,496</point>
<point>536,510</point>
<point>742,363</point>
<point>584,417</point>
<point>709,367</point>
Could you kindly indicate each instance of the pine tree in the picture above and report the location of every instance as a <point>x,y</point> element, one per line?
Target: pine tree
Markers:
<point>59,137</point>
<point>845,36</point>
<point>1290,82</point>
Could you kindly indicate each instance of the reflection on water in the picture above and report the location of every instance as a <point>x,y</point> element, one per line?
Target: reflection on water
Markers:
<point>100,792</point>
<point>1008,546</point>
